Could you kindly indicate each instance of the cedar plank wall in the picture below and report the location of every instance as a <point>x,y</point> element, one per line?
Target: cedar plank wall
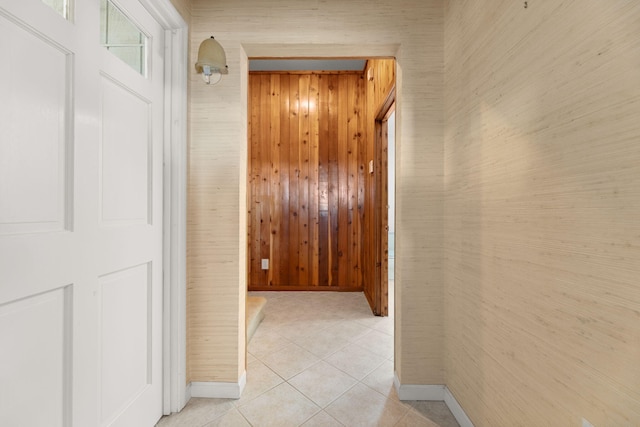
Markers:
<point>542,211</point>
<point>325,243</point>
<point>306,175</point>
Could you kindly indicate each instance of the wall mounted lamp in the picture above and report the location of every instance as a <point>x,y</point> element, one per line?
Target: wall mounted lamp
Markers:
<point>212,61</point>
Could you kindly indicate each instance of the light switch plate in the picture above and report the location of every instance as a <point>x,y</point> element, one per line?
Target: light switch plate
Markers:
<point>265,263</point>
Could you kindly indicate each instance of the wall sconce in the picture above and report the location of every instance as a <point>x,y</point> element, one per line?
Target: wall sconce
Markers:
<point>212,61</point>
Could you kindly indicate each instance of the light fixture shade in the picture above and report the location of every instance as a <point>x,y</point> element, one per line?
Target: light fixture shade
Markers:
<point>212,54</point>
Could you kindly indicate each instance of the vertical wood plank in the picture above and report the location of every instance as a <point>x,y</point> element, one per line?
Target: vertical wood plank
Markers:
<point>283,256</point>
<point>265,175</point>
<point>294,172</point>
<point>254,170</point>
<point>275,210</point>
<point>323,181</point>
<point>361,117</point>
<point>343,182</point>
<point>333,179</point>
<point>352,184</point>
<point>303,186</point>
<point>314,158</point>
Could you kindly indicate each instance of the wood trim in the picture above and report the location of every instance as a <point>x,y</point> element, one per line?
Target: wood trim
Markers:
<point>388,106</point>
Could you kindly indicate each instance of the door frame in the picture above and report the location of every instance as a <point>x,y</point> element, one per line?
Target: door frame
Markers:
<point>176,38</point>
<point>381,211</point>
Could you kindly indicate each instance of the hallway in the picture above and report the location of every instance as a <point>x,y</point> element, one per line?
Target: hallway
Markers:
<point>317,359</point>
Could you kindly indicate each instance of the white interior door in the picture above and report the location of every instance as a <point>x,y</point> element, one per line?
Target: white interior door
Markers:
<point>80,218</point>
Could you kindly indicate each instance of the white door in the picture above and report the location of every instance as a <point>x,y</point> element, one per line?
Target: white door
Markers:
<point>80,216</point>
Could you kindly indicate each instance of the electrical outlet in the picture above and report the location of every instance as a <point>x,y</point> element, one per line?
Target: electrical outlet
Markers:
<point>265,263</point>
<point>586,423</point>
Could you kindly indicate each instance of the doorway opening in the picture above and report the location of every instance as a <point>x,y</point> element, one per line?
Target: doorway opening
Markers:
<point>315,212</point>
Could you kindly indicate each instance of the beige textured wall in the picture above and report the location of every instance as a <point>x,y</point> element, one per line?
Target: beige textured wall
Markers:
<point>542,211</point>
<point>184,8</point>
<point>411,30</point>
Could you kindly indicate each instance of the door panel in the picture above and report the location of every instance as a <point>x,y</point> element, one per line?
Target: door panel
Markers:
<point>38,329</point>
<point>130,231</point>
<point>32,155</point>
<point>125,152</point>
<point>80,221</point>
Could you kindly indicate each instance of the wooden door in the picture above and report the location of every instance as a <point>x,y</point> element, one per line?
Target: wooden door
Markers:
<point>80,220</point>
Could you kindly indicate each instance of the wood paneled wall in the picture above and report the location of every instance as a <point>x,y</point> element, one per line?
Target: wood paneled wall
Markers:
<point>307,180</point>
<point>542,212</point>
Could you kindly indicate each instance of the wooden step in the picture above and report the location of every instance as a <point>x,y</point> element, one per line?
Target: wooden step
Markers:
<point>254,314</point>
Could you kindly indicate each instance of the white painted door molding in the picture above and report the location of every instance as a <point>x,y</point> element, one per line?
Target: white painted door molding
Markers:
<point>175,203</point>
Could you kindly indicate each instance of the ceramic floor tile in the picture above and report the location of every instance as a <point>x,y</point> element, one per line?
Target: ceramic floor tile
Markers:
<point>381,380</point>
<point>265,343</point>
<point>385,325</point>
<point>198,412</point>
<point>362,406</point>
<point>259,380</point>
<point>290,361</point>
<point>300,329</point>
<point>282,406</point>
<point>351,331</point>
<point>413,419</point>
<point>438,412</point>
<point>322,343</point>
<point>322,419</point>
<point>355,361</point>
<point>377,342</point>
<point>322,383</point>
<point>233,418</point>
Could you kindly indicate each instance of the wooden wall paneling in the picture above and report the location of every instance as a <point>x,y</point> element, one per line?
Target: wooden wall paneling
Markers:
<point>294,181</point>
<point>323,181</point>
<point>343,183</point>
<point>333,179</point>
<point>284,237</point>
<point>353,222</point>
<point>275,193</point>
<point>309,186</point>
<point>254,168</point>
<point>314,160</point>
<point>264,190</point>
<point>303,183</point>
<point>362,175</point>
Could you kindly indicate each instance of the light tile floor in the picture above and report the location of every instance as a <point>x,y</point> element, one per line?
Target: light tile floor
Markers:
<point>317,359</point>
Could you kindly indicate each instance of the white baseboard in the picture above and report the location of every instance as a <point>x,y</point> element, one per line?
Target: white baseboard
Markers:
<point>456,409</point>
<point>187,395</point>
<point>418,391</point>
<point>432,392</point>
<point>217,390</point>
